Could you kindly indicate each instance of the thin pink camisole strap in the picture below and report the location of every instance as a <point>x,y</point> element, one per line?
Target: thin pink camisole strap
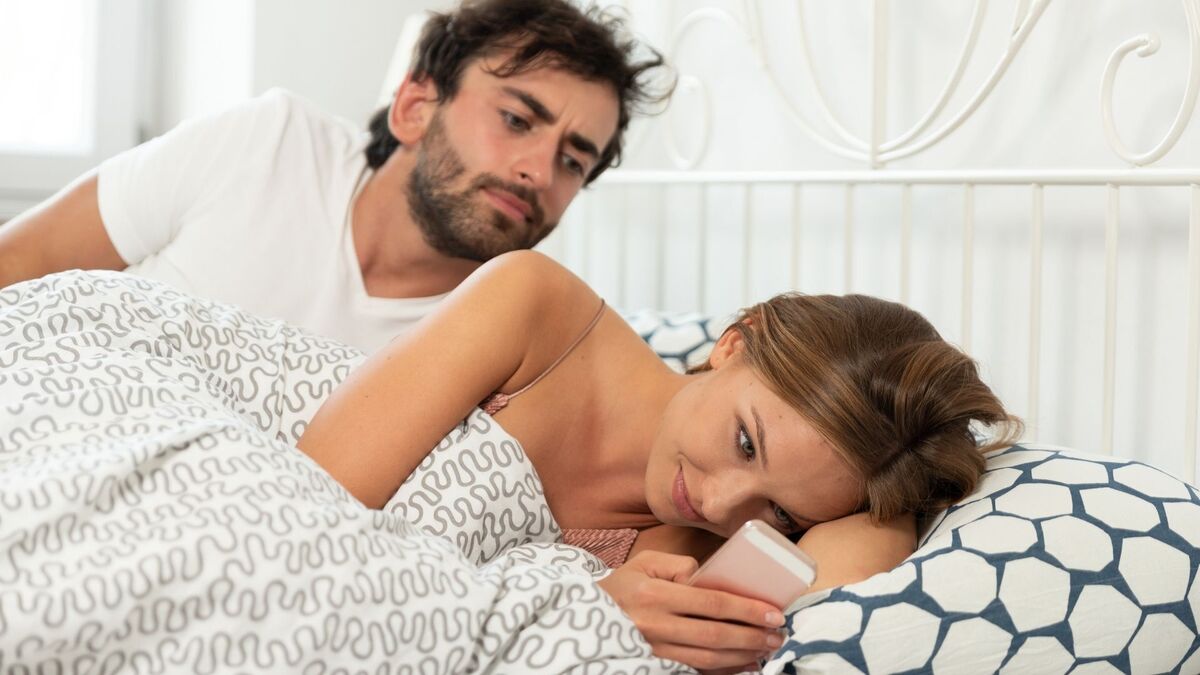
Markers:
<point>498,400</point>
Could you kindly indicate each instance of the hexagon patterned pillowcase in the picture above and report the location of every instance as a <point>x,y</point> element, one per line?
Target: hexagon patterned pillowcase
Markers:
<point>682,340</point>
<point>1059,562</point>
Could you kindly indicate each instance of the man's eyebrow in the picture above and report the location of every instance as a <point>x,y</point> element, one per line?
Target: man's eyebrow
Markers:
<point>540,111</point>
<point>583,145</point>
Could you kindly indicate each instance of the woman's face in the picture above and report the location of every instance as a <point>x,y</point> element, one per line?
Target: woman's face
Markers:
<point>729,450</point>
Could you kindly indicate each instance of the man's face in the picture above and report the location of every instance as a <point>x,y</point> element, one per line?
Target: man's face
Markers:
<point>499,163</point>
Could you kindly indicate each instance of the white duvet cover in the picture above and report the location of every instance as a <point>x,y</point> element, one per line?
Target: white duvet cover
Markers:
<point>155,515</point>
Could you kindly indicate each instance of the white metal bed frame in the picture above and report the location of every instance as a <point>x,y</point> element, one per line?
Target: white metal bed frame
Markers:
<point>875,152</point>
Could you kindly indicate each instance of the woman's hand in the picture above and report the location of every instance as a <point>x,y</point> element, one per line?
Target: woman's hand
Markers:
<point>699,627</point>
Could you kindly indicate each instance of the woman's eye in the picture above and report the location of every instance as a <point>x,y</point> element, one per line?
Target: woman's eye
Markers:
<point>744,445</point>
<point>514,122</point>
<point>785,521</point>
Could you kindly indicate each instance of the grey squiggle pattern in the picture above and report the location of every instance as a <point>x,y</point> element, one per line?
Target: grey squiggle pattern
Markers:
<point>478,488</point>
<point>155,516</point>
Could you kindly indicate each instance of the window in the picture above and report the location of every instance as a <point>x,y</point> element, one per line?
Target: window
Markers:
<point>71,79</point>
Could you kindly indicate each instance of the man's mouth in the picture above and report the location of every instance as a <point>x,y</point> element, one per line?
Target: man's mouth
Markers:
<point>683,503</point>
<point>509,204</point>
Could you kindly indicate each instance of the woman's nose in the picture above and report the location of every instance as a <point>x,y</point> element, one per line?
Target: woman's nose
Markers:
<point>728,501</point>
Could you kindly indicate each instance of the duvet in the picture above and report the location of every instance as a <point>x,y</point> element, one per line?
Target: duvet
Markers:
<point>155,515</point>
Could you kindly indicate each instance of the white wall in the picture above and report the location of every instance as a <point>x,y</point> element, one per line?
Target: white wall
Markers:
<point>206,59</point>
<point>216,52</point>
<point>335,53</point>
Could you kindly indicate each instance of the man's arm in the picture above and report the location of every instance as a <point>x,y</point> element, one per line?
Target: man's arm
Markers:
<point>64,232</point>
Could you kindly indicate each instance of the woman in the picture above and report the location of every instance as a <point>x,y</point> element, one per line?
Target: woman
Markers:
<point>809,410</point>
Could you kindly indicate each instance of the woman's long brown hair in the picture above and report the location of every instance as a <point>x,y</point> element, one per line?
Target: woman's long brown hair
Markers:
<point>897,402</point>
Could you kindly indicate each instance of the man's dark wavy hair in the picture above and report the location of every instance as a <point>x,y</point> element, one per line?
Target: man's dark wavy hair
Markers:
<point>588,43</point>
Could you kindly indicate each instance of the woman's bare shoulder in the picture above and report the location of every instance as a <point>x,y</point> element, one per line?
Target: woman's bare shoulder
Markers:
<point>529,277</point>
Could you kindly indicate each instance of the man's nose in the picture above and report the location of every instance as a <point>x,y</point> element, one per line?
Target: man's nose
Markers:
<point>535,166</point>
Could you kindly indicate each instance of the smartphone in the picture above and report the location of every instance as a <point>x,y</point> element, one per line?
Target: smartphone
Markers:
<point>758,562</point>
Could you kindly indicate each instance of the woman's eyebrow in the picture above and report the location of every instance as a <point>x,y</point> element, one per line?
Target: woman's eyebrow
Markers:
<point>760,430</point>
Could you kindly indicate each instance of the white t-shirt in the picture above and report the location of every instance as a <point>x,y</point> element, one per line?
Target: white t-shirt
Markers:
<point>252,207</point>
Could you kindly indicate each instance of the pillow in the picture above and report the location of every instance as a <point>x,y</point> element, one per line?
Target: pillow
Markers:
<point>1060,561</point>
<point>682,340</point>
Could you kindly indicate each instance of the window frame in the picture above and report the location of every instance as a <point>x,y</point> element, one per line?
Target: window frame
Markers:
<point>121,81</point>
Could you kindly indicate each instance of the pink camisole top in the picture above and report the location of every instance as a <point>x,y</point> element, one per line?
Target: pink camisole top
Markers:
<point>610,546</point>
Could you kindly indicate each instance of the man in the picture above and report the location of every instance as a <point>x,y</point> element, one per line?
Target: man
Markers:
<point>510,107</point>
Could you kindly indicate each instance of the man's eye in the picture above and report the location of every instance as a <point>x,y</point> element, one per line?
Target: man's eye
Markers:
<point>513,121</point>
<point>572,165</point>
<point>744,445</point>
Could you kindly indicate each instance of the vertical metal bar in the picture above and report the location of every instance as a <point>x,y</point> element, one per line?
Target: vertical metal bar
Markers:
<point>968,264</point>
<point>623,247</point>
<point>905,241</point>
<point>1111,227</point>
<point>585,222</point>
<point>554,245</point>
<point>660,250</point>
<point>747,241</point>
<point>879,78</point>
<point>1192,376</point>
<point>1035,310</point>
<point>702,251</point>
<point>572,244</point>
<point>797,235</point>
<point>848,242</point>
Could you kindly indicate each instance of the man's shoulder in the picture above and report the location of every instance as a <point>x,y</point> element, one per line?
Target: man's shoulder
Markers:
<point>316,129</point>
<point>288,104</point>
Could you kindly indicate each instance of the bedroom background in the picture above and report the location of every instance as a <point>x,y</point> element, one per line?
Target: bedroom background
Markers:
<point>157,63</point>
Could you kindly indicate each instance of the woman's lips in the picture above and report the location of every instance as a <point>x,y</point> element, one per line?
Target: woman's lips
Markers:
<point>683,504</point>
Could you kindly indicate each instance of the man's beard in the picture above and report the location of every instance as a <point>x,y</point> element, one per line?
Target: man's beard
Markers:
<point>452,222</point>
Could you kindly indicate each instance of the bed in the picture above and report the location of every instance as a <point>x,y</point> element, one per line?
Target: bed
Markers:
<point>1078,553</point>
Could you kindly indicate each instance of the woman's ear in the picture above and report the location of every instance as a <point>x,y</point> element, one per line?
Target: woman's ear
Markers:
<point>729,345</point>
<point>412,109</point>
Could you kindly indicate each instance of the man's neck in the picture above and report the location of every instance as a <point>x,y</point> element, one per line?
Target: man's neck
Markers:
<point>393,256</point>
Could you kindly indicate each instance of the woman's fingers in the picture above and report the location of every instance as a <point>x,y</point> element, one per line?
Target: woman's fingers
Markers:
<point>706,629</point>
<point>701,602</point>
<point>709,661</point>
<point>711,604</point>
<point>711,634</point>
<point>667,566</point>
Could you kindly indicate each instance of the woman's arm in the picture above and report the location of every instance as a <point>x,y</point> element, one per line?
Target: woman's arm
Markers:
<point>385,418</point>
<point>715,630</point>
<point>851,549</point>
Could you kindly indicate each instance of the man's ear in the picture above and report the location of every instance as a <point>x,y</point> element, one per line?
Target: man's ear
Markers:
<point>412,109</point>
<point>727,347</point>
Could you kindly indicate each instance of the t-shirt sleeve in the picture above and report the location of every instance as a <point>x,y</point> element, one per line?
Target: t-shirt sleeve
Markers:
<point>146,192</point>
